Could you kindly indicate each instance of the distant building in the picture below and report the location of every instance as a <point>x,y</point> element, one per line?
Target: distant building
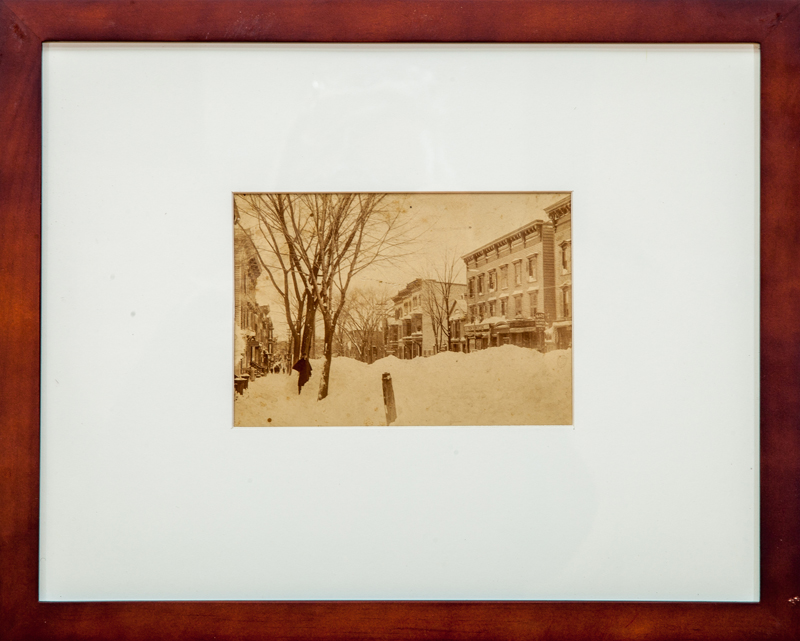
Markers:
<point>253,330</point>
<point>264,340</point>
<point>511,288</point>
<point>415,329</point>
<point>560,215</point>
<point>394,335</point>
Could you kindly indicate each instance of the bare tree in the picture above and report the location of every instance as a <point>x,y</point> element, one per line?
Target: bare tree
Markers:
<point>440,296</point>
<point>312,246</point>
<point>362,320</point>
<point>263,217</point>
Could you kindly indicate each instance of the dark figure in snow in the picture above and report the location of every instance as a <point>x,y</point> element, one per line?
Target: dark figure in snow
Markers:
<point>304,368</point>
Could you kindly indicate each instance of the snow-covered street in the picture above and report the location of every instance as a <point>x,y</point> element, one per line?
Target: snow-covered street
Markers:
<point>506,385</point>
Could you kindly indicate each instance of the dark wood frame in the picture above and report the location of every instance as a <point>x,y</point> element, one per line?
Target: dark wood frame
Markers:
<point>25,24</point>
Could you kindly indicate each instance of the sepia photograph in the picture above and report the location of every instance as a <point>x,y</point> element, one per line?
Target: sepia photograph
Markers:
<point>420,309</point>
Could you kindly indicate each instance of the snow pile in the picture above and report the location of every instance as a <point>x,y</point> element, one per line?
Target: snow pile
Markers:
<point>506,385</point>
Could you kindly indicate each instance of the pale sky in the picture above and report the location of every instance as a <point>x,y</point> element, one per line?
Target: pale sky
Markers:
<point>445,224</point>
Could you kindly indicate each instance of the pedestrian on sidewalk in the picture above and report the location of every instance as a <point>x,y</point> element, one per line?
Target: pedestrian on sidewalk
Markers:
<point>303,367</point>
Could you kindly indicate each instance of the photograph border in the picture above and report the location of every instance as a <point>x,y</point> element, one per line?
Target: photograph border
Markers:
<point>26,24</point>
<point>460,260</point>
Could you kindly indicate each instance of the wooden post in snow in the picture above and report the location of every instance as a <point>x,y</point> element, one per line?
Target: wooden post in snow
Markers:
<point>388,398</point>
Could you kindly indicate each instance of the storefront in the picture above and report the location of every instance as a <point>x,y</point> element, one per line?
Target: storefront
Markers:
<point>526,333</point>
<point>477,336</point>
<point>501,334</point>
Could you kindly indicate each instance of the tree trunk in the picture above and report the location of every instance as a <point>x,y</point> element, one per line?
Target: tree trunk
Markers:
<point>308,330</point>
<point>295,348</point>
<point>436,336</point>
<point>326,368</point>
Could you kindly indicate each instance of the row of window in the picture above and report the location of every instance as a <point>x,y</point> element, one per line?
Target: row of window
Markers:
<point>408,327</point>
<point>501,307</point>
<point>248,275</point>
<point>491,280</point>
<point>253,320</point>
<point>408,306</point>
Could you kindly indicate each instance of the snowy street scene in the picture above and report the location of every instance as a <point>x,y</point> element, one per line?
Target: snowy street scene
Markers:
<point>429,309</point>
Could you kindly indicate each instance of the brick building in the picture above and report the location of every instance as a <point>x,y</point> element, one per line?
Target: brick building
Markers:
<point>560,215</point>
<point>253,329</point>
<point>511,288</point>
<point>411,332</point>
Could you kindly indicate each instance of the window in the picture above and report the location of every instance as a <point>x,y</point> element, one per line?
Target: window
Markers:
<point>503,307</point>
<point>566,300</point>
<point>504,276</point>
<point>482,310</point>
<point>532,271</point>
<point>517,272</point>
<point>566,256</point>
<point>492,280</point>
<point>471,285</point>
<point>492,308</point>
<point>480,284</point>
<point>518,305</point>
<point>534,302</point>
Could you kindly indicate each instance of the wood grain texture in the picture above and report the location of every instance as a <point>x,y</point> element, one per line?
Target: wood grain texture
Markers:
<point>403,20</point>
<point>20,230</point>
<point>25,24</point>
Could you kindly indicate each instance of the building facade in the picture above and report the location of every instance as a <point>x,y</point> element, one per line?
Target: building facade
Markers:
<point>560,215</point>
<point>418,326</point>
<point>262,347</point>
<point>253,329</point>
<point>511,289</point>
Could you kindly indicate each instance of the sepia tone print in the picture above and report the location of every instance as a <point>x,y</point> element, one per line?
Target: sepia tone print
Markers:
<point>367,309</point>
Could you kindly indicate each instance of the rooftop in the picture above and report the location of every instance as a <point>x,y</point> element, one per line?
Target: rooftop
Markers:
<point>513,235</point>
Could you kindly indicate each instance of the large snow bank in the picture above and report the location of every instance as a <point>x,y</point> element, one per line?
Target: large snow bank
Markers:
<point>506,385</point>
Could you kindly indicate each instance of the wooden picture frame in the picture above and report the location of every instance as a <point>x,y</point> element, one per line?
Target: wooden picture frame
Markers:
<point>26,24</point>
